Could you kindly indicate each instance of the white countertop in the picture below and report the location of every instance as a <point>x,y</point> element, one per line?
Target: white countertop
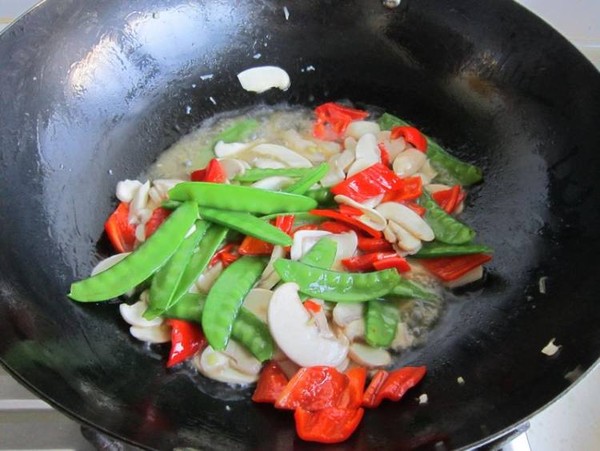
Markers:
<point>571,423</point>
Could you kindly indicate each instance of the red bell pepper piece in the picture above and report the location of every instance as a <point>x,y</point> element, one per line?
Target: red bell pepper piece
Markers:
<point>158,217</point>
<point>270,384</point>
<point>186,340</point>
<point>312,306</point>
<point>451,268</point>
<point>219,254</point>
<point>384,154</point>
<point>411,135</point>
<point>369,245</point>
<point>213,172</point>
<point>118,229</point>
<point>373,388</point>
<point>348,210</point>
<point>353,396</point>
<point>398,262</point>
<point>331,425</point>
<point>392,385</point>
<point>416,208</point>
<point>448,199</point>
<point>253,246</point>
<point>313,388</point>
<point>285,223</point>
<point>410,188</point>
<point>370,182</point>
<point>335,227</point>
<point>356,224</point>
<point>333,119</point>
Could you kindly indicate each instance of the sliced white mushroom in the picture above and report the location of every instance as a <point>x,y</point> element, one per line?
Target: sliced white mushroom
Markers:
<point>406,241</point>
<point>355,329</point>
<point>403,338</point>
<point>370,216</point>
<point>281,153</point>
<point>257,301</point>
<point>345,159</point>
<point>164,185</point>
<point>134,315</point>
<point>109,262</point>
<point>346,247</point>
<point>155,196</point>
<point>267,163</point>
<point>409,162</point>
<point>346,312</point>
<point>366,148</point>
<point>206,280</point>
<point>233,167</point>
<point>262,78</point>
<point>472,276</point>
<point>427,173</point>
<point>368,356</point>
<point>357,129</point>
<point>435,187</point>
<point>343,366</point>
<point>372,202</point>
<point>298,336</point>
<point>334,176</point>
<point>304,240</point>
<point>320,320</point>
<point>274,183</point>
<point>154,334</point>
<point>139,202</point>
<point>217,365</point>
<point>241,359</point>
<point>296,142</point>
<point>140,232</point>
<point>269,277</point>
<point>350,143</point>
<point>358,166</point>
<point>127,189</point>
<point>229,150</point>
<point>406,218</point>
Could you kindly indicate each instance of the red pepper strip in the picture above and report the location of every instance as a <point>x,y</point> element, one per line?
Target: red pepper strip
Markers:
<point>397,262</point>
<point>451,268</point>
<point>356,224</point>
<point>410,189</point>
<point>368,245</point>
<point>399,382</point>
<point>335,227</point>
<point>333,119</point>
<point>305,227</point>
<point>416,208</point>
<point>411,135</point>
<point>217,257</point>
<point>312,306</point>
<point>448,199</point>
<point>213,172</point>
<point>270,384</point>
<point>159,215</point>
<point>384,154</point>
<point>253,246</point>
<point>370,182</point>
<point>313,388</point>
<point>285,223</point>
<point>118,229</point>
<point>366,262</point>
<point>332,425</point>
<point>353,396</point>
<point>373,388</point>
<point>227,258</point>
<point>348,210</point>
<point>186,340</point>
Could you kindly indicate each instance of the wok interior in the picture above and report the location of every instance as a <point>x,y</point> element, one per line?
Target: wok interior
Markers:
<point>93,92</point>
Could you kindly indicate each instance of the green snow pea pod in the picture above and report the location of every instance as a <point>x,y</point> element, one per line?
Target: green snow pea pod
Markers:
<point>337,286</point>
<point>163,287</point>
<point>237,132</point>
<point>388,121</point>
<point>240,198</point>
<point>256,174</point>
<point>381,322</point>
<point>436,249</point>
<point>248,225</point>
<point>412,290</point>
<point>189,308</point>
<point>445,228</point>
<point>140,264</point>
<point>323,196</point>
<point>199,260</point>
<point>305,183</point>
<point>321,255</point>
<point>225,299</point>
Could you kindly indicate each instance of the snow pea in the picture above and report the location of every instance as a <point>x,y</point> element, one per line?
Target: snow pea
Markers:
<point>240,198</point>
<point>381,322</point>
<point>248,225</point>
<point>225,299</point>
<point>247,329</point>
<point>408,289</point>
<point>445,228</point>
<point>165,282</point>
<point>237,132</point>
<point>436,249</point>
<point>305,183</point>
<point>256,174</point>
<point>450,168</point>
<point>337,286</point>
<point>321,255</point>
<point>323,196</point>
<point>140,264</point>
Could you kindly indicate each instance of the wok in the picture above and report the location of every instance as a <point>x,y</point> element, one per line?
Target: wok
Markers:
<point>93,91</point>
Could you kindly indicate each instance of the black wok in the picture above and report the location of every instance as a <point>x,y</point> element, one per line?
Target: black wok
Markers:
<point>91,93</point>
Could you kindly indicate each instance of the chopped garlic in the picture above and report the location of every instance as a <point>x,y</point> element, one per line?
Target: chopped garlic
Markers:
<point>550,349</point>
<point>262,78</point>
<point>423,399</point>
<point>460,380</point>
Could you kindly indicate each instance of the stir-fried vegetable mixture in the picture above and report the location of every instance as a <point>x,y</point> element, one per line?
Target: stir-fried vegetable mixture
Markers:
<point>300,258</point>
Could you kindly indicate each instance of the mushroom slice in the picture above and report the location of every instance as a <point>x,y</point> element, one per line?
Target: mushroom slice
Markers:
<point>274,183</point>
<point>368,356</point>
<point>269,277</point>
<point>343,366</point>
<point>403,339</point>
<point>233,167</point>
<point>404,239</point>
<point>409,162</point>
<point>366,149</point>
<point>304,240</point>
<point>472,276</point>
<point>267,163</point>
<point>217,365</point>
<point>257,301</point>
<point>346,247</point>
<point>225,150</point>
<point>154,334</point>
<point>262,78</point>
<point>127,189</point>
<point>281,153</point>
<point>139,202</point>
<point>241,359</point>
<point>358,165</point>
<point>435,187</point>
<point>357,129</point>
<point>407,218</point>
<point>297,336</point>
<point>346,312</point>
<point>355,329</point>
<point>370,216</point>
<point>134,315</point>
<point>206,280</point>
<point>108,262</point>
<point>427,173</point>
<point>163,186</point>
